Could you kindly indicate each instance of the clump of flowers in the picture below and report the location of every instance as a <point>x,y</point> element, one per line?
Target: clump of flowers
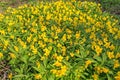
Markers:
<point>60,40</point>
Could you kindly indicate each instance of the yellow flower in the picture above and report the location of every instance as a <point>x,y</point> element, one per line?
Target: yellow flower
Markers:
<point>117,55</point>
<point>54,71</point>
<point>116,64</point>
<point>16,48</point>
<point>87,63</point>
<point>59,58</point>
<point>100,42</point>
<point>6,42</point>
<point>34,50</point>
<point>105,70</point>
<point>95,77</point>
<point>67,58</point>
<point>29,39</point>
<point>118,76</point>
<point>77,35</point>
<point>54,56</point>
<point>77,51</point>
<point>12,36</point>
<point>98,69</point>
<point>59,45</point>
<point>38,64</point>
<point>105,40</point>
<point>107,44</point>
<point>47,52</point>
<point>1,17</point>
<point>92,35</point>
<point>12,55</point>
<point>110,55</point>
<point>88,30</point>
<point>57,63</point>
<point>68,31</point>
<point>43,28</point>
<point>2,32</point>
<point>69,36</point>
<point>71,54</point>
<point>112,47</point>
<point>63,70</point>
<point>63,50</point>
<point>64,38</point>
<point>50,48</point>
<point>48,17</point>
<point>10,76</point>
<point>42,58</point>
<point>38,76</point>
<point>1,55</point>
<point>98,50</point>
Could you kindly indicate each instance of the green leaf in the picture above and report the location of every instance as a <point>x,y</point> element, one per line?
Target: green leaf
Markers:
<point>31,59</point>
<point>24,59</point>
<point>18,70</point>
<point>109,78</point>
<point>98,58</point>
<point>104,58</point>
<point>12,62</point>
<point>18,76</point>
<point>37,69</point>
<point>51,78</point>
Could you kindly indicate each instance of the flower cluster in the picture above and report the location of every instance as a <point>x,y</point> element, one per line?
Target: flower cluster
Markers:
<point>60,40</point>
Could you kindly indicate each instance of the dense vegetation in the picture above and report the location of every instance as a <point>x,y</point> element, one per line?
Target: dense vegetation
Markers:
<point>62,40</point>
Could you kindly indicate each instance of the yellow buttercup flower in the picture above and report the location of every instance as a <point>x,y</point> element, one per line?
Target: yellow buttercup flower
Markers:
<point>43,28</point>
<point>105,70</point>
<point>54,56</point>
<point>95,77</point>
<point>112,47</point>
<point>59,45</point>
<point>63,70</point>
<point>6,42</point>
<point>98,69</point>
<point>2,32</point>
<point>16,48</point>
<point>68,31</point>
<point>47,52</point>
<point>57,63</point>
<point>107,44</point>
<point>110,55</point>
<point>59,58</point>
<point>10,76</point>
<point>116,64</point>
<point>77,35</point>
<point>118,76</point>
<point>38,64</point>
<point>54,71</point>
<point>98,50</point>
<point>72,54</point>
<point>12,55</point>
<point>117,55</point>
<point>87,63</point>
<point>64,38</point>
<point>48,17</point>
<point>1,55</point>
<point>35,50</point>
<point>1,16</point>
<point>12,36</point>
<point>38,76</point>
<point>42,58</point>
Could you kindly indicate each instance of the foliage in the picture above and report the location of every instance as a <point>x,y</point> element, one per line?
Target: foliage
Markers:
<point>60,40</point>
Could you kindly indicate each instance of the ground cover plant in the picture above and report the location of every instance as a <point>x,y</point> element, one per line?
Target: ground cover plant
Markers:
<point>62,40</point>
